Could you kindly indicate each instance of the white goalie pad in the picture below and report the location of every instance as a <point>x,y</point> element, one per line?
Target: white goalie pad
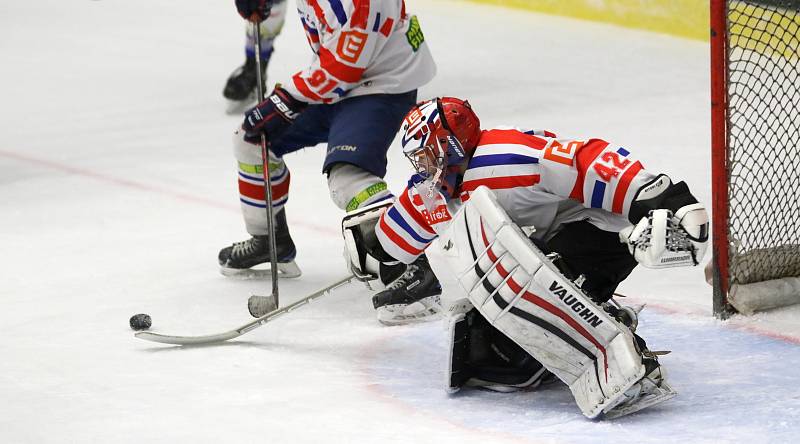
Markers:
<point>522,294</point>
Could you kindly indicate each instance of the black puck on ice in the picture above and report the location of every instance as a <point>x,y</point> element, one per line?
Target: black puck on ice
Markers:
<point>141,321</point>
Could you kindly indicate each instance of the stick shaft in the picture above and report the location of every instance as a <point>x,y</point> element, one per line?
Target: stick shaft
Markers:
<point>273,253</point>
<point>252,325</point>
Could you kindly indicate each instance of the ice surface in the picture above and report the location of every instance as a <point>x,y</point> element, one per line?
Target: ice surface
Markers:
<point>117,189</point>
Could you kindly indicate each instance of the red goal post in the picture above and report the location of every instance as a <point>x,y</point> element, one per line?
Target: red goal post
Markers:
<point>755,142</point>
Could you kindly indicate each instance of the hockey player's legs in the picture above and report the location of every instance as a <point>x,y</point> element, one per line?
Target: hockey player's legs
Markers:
<point>312,127</point>
<point>251,181</point>
<point>352,188</point>
<point>362,129</point>
<point>596,254</point>
<point>240,258</point>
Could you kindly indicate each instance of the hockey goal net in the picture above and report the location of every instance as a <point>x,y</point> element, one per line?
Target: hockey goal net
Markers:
<point>755,82</point>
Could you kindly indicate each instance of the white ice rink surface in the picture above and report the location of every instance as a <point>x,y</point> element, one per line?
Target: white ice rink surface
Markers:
<point>118,187</point>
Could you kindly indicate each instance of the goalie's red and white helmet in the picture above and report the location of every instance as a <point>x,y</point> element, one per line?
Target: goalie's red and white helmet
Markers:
<point>439,136</point>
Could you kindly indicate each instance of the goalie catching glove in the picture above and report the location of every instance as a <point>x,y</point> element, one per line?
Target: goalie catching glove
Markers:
<point>670,227</point>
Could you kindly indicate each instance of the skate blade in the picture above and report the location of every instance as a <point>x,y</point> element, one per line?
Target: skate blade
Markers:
<point>402,314</point>
<point>656,395</point>
<point>285,270</point>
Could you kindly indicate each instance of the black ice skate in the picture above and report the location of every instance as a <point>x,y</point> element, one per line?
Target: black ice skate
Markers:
<point>247,258</point>
<point>411,297</point>
<point>240,89</point>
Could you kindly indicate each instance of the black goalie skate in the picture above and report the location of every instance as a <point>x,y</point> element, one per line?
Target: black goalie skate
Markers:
<point>652,389</point>
<point>246,259</point>
<point>240,89</point>
<point>414,296</point>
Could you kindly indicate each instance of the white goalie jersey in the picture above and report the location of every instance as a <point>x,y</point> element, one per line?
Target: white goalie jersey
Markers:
<point>539,179</point>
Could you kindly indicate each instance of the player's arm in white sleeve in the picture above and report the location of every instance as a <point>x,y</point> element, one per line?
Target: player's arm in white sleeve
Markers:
<point>403,231</point>
<point>344,48</point>
<point>670,227</point>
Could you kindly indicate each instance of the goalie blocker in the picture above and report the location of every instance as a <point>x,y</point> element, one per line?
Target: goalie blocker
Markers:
<point>519,292</point>
<point>411,291</point>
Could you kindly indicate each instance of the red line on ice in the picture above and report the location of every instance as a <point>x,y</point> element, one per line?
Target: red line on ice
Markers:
<point>145,187</point>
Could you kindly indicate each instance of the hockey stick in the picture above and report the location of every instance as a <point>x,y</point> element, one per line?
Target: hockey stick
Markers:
<point>273,302</point>
<point>252,325</point>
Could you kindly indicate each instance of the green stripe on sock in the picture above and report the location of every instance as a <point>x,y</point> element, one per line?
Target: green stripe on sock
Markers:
<point>259,169</point>
<point>365,195</point>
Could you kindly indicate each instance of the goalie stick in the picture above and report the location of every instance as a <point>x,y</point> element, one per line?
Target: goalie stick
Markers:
<point>252,325</point>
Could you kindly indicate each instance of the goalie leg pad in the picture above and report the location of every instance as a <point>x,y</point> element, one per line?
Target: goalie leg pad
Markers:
<point>522,294</point>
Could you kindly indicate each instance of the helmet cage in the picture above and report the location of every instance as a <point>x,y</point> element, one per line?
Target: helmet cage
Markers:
<point>430,145</point>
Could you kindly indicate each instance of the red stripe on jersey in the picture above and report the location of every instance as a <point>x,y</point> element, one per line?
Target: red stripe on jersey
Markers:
<point>405,202</point>
<point>403,9</point>
<point>360,14</point>
<point>511,137</point>
<point>396,238</point>
<point>537,300</point>
<point>499,183</point>
<point>329,87</point>
<point>256,192</point>
<point>584,157</point>
<point>313,39</point>
<point>302,86</point>
<point>386,28</point>
<point>319,12</point>
<point>623,185</point>
<point>343,72</point>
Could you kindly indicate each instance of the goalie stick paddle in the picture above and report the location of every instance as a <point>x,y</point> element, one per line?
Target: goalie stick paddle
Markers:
<point>252,325</point>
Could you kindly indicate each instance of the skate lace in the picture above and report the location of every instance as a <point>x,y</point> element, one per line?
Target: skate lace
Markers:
<point>245,248</point>
<point>404,278</point>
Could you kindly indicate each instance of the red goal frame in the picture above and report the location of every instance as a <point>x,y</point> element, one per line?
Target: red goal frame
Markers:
<point>719,157</point>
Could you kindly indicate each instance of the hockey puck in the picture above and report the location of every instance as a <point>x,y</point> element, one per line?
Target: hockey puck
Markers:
<point>141,321</point>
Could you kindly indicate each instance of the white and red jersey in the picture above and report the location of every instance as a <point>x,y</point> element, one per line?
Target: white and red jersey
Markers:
<point>360,47</point>
<point>540,180</point>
